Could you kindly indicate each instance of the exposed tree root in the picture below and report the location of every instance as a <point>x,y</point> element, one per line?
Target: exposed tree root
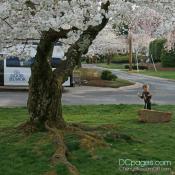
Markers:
<point>90,138</point>
<point>115,136</point>
<point>61,150</point>
<point>27,127</point>
<point>52,172</point>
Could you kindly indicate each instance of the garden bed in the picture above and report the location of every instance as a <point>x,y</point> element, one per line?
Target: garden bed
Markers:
<point>104,83</point>
<point>92,77</point>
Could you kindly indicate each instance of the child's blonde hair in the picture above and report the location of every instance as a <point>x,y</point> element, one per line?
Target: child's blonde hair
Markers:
<point>145,86</point>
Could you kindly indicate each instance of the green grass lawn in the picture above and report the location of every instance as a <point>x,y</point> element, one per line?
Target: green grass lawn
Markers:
<point>120,58</point>
<point>30,155</point>
<point>161,74</point>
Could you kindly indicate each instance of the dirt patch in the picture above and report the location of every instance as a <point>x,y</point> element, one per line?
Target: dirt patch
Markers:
<point>87,74</point>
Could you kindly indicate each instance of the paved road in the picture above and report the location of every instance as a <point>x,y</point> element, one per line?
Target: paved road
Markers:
<point>163,92</point>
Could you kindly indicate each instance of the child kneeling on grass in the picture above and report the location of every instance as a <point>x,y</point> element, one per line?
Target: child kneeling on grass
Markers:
<point>146,95</point>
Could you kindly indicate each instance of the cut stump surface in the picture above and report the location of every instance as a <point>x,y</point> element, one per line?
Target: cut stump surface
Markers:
<point>151,116</point>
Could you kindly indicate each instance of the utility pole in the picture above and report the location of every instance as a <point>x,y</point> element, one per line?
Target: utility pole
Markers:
<point>130,51</point>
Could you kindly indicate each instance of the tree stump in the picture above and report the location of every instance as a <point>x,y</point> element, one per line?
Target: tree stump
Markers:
<point>151,116</point>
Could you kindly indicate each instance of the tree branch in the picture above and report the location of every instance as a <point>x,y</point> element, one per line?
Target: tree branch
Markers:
<point>6,22</point>
<point>80,47</point>
<point>55,35</point>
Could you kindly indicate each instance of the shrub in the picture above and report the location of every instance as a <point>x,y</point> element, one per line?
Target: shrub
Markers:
<point>168,58</point>
<point>135,67</point>
<point>87,60</point>
<point>155,49</point>
<point>114,77</point>
<point>107,75</point>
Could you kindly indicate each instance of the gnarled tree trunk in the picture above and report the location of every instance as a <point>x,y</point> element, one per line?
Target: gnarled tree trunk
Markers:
<point>45,85</point>
<point>45,91</point>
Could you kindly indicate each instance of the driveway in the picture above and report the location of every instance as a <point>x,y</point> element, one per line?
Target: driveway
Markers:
<point>163,91</point>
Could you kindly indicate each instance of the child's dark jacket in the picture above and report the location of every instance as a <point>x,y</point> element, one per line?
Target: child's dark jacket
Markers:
<point>146,96</point>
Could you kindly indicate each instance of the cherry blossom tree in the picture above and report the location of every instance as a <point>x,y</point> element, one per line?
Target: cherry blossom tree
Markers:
<point>138,22</point>
<point>73,22</point>
<point>107,43</point>
<point>128,28</point>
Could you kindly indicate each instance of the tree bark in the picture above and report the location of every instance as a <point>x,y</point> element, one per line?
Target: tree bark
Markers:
<point>81,46</point>
<point>45,85</point>
<point>130,51</point>
<point>45,91</point>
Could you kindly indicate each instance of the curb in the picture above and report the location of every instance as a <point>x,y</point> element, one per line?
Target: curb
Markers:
<point>13,88</point>
<point>135,86</point>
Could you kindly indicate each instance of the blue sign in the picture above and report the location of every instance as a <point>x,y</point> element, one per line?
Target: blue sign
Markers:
<point>17,76</point>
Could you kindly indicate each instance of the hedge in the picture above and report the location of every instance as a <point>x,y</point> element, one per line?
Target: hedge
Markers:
<point>168,58</point>
<point>155,49</point>
<point>120,59</point>
<point>134,67</point>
